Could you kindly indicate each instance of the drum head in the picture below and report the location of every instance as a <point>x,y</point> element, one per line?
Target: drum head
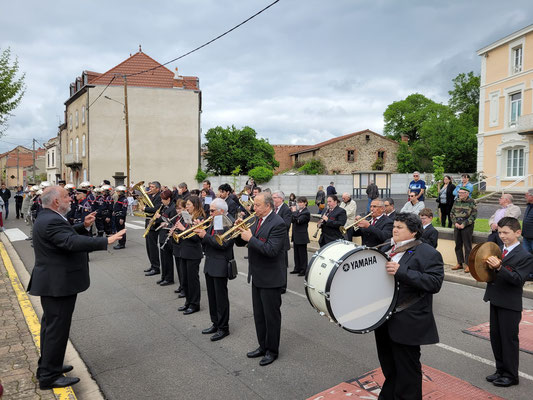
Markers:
<point>361,293</point>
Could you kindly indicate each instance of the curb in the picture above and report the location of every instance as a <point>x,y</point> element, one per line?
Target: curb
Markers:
<point>87,388</point>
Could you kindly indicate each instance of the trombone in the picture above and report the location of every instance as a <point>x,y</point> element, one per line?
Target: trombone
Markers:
<point>343,229</point>
<point>152,222</point>
<point>235,230</point>
<point>189,232</point>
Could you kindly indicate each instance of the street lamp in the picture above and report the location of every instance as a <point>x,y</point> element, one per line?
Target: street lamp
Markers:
<point>125,105</point>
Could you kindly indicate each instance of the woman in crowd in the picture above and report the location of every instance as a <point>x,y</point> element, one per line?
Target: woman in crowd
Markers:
<point>445,200</point>
<point>176,250</point>
<point>19,198</point>
<point>292,200</point>
<point>331,220</point>
<point>320,199</point>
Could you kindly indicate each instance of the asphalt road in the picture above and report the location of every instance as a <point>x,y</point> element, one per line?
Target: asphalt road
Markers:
<point>138,346</point>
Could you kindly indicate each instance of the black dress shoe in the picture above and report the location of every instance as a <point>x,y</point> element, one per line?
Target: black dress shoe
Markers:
<point>148,269</point>
<point>178,290</point>
<point>159,281</point>
<point>493,377</point>
<point>259,352</point>
<point>283,290</point>
<point>191,310</point>
<point>183,308</point>
<point>152,272</point>
<point>505,381</point>
<point>294,272</point>
<point>269,358</point>
<point>211,329</point>
<point>301,273</point>
<point>119,246</point>
<point>67,368</point>
<point>181,295</point>
<point>219,335</point>
<point>62,381</point>
<point>166,283</point>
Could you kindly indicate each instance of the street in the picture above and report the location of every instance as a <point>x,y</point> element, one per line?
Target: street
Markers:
<point>138,346</point>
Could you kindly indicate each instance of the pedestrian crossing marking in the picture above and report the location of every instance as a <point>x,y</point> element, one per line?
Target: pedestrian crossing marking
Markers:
<point>132,226</point>
<point>15,234</point>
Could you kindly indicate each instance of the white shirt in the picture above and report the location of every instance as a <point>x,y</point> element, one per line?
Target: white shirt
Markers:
<point>425,226</point>
<point>511,248</point>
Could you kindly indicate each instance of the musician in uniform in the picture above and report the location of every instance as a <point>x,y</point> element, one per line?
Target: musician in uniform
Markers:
<point>163,218</point>
<point>183,192</point>
<point>152,247</point>
<point>99,208</point>
<point>206,184</point>
<point>119,213</point>
<point>331,220</point>
<point>429,234</point>
<point>378,229</point>
<point>266,254</point>
<point>505,295</point>
<point>83,209</point>
<point>216,272</point>
<point>284,212</point>
<point>181,206</point>
<point>71,189</point>
<point>300,235</point>
<point>224,192</point>
<point>419,270</point>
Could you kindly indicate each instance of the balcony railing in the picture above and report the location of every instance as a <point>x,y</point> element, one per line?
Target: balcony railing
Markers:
<point>525,124</point>
<point>73,160</point>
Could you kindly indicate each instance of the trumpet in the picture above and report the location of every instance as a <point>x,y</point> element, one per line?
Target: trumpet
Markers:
<point>235,230</point>
<point>152,221</point>
<point>189,233</point>
<point>343,229</point>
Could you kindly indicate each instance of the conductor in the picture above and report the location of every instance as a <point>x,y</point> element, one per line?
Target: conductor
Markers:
<point>61,271</point>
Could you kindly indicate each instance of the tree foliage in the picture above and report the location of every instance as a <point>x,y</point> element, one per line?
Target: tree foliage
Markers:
<point>200,175</point>
<point>437,129</point>
<point>11,87</point>
<point>229,148</point>
<point>314,166</point>
<point>261,174</point>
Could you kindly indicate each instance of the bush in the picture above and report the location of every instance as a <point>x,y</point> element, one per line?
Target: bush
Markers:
<point>313,167</point>
<point>378,165</point>
<point>200,175</point>
<point>261,174</point>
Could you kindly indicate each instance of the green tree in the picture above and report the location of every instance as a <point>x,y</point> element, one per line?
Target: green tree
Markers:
<point>229,148</point>
<point>405,117</point>
<point>11,87</point>
<point>314,166</point>
<point>261,174</point>
<point>200,175</point>
<point>464,97</point>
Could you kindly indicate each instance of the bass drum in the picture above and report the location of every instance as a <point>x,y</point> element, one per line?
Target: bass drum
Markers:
<point>349,284</point>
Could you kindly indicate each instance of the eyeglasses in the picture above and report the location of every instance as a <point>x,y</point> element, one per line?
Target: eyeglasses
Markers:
<point>412,195</point>
<point>212,209</point>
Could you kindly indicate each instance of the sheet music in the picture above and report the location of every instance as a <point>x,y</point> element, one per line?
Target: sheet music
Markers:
<point>218,223</point>
<point>187,218</point>
<point>208,200</point>
<point>244,197</point>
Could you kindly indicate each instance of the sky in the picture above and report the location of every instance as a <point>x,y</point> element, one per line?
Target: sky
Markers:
<point>302,72</point>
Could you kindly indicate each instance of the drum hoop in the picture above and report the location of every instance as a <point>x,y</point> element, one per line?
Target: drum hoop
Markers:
<point>330,280</point>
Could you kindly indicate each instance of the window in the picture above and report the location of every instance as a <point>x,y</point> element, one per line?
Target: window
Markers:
<point>70,147</point>
<point>77,148</point>
<point>84,174</point>
<point>53,159</point>
<point>515,162</point>
<point>70,121</point>
<point>515,107</point>
<point>517,59</point>
<point>381,155</point>
<point>350,155</point>
<point>77,119</point>
<point>71,177</point>
<point>494,110</point>
<point>83,146</point>
<point>83,115</point>
<point>48,160</point>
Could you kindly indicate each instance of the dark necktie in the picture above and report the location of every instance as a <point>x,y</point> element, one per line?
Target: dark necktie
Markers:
<point>392,251</point>
<point>374,221</point>
<point>504,253</point>
<point>258,225</point>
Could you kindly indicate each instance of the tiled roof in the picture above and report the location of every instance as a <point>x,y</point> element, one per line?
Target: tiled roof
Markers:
<point>336,139</point>
<point>158,76</point>
<point>24,159</point>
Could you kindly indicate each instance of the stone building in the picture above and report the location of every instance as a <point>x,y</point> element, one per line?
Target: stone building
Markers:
<point>359,151</point>
<point>282,154</point>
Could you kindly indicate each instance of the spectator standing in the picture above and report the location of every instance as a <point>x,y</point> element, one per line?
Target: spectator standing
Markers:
<point>320,199</point>
<point>372,193</point>
<point>508,209</point>
<point>413,206</point>
<point>5,193</point>
<point>527,223</point>
<point>331,189</point>
<point>351,210</point>
<point>463,215</point>
<point>19,198</point>
<point>418,186</point>
<point>465,182</point>
<point>445,201</point>
<point>1,214</point>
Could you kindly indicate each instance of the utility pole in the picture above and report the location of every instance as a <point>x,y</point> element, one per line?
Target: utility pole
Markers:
<point>127,133</point>
<point>34,161</point>
<point>18,182</point>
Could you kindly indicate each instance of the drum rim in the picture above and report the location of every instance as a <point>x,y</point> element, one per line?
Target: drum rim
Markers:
<point>389,310</point>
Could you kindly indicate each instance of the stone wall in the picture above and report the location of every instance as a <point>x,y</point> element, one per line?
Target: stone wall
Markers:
<point>282,155</point>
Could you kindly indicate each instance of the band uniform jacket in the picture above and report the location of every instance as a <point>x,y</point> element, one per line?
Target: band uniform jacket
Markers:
<point>217,256</point>
<point>506,289</point>
<point>392,215</point>
<point>285,213</point>
<point>430,236</point>
<point>300,225</point>
<point>330,228</point>
<point>156,201</point>
<point>266,254</point>
<point>376,234</point>
<point>233,209</point>
<point>191,248</point>
<point>167,212</point>
<point>420,275</point>
<point>61,259</point>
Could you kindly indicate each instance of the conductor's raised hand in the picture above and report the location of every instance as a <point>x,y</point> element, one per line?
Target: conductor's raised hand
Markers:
<point>89,219</point>
<point>117,236</point>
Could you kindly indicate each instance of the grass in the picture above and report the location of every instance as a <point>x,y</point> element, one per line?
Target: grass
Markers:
<point>480,224</point>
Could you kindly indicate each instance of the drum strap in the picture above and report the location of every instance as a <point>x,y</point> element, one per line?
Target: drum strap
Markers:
<point>408,302</point>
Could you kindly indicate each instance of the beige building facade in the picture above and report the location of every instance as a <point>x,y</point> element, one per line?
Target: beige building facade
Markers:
<point>164,125</point>
<point>505,140</point>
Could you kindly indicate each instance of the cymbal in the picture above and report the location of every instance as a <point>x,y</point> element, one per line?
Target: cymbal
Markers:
<point>477,261</point>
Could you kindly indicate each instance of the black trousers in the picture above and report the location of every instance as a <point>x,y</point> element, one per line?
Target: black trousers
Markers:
<point>401,366</point>
<point>55,328</point>
<point>463,239</point>
<point>267,316</point>
<point>167,263</point>
<point>300,257</point>
<point>191,281</point>
<point>504,339</point>
<point>445,210</point>
<point>118,227</point>
<point>18,208</point>
<point>217,294</point>
<point>152,247</point>
<point>179,269</point>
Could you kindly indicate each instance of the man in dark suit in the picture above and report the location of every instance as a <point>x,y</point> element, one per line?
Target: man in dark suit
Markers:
<point>331,220</point>
<point>419,271</point>
<point>224,192</point>
<point>152,246</point>
<point>216,271</point>
<point>61,271</point>
<point>378,229</point>
<point>284,212</point>
<point>505,295</point>
<point>429,234</point>
<point>300,235</point>
<point>390,211</point>
<point>266,241</point>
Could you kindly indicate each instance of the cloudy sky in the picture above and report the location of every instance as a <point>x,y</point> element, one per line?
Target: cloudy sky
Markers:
<point>304,71</point>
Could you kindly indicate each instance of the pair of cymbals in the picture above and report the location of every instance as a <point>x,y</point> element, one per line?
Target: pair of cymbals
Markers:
<point>477,261</point>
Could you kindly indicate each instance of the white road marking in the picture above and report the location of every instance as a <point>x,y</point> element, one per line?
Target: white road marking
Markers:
<point>131,226</point>
<point>15,234</point>
<point>137,222</point>
<point>303,296</point>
